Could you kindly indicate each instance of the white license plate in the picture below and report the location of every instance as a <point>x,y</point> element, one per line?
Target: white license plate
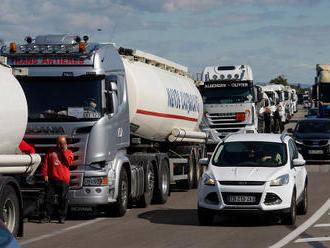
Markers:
<point>315,152</point>
<point>241,198</point>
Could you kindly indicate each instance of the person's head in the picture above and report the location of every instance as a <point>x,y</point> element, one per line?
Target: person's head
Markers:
<point>61,143</point>
<point>278,107</point>
<point>92,104</point>
<point>267,110</point>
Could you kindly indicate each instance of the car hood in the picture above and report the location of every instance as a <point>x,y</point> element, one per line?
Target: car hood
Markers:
<point>312,136</point>
<point>244,173</point>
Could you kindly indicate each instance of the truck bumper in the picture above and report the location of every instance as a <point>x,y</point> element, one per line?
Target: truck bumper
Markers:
<point>91,196</point>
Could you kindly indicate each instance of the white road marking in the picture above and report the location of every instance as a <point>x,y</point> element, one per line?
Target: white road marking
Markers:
<point>49,235</point>
<point>322,225</point>
<point>318,239</point>
<point>295,233</point>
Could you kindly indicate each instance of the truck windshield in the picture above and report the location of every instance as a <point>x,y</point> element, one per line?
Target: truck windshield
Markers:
<point>325,92</point>
<point>286,95</point>
<point>63,98</point>
<point>250,154</point>
<point>271,96</point>
<point>280,96</point>
<point>227,95</point>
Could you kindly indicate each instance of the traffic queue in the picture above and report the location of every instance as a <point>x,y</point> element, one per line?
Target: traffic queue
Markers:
<point>119,126</point>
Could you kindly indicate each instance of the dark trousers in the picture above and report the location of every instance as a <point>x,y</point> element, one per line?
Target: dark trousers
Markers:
<point>57,198</point>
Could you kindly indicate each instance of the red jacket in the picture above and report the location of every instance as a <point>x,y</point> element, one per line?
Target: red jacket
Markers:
<point>26,148</point>
<point>56,165</point>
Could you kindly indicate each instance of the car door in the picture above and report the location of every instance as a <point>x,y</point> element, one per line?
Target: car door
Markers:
<point>298,171</point>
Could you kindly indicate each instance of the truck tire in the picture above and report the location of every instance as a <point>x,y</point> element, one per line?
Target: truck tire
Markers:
<point>146,198</point>
<point>189,182</point>
<point>119,208</point>
<point>205,216</point>
<point>197,171</point>
<point>290,217</point>
<point>10,213</point>
<point>164,186</point>
<point>303,205</point>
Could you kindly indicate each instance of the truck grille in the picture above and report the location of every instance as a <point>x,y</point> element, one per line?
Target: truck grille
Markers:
<point>315,142</point>
<point>225,122</point>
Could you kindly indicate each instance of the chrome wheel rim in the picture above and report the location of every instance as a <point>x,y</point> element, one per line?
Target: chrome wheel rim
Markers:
<point>8,213</point>
<point>124,193</point>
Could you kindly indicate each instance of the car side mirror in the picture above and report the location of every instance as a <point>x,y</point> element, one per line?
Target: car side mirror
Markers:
<point>300,161</point>
<point>204,161</point>
<point>290,130</point>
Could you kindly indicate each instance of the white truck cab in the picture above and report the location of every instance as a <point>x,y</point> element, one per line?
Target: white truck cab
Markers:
<point>254,173</point>
<point>229,98</point>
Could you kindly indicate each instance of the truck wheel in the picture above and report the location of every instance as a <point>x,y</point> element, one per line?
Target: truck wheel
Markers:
<point>197,172</point>
<point>303,205</point>
<point>189,182</point>
<point>146,198</point>
<point>10,209</point>
<point>119,208</point>
<point>205,216</point>
<point>290,217</point>
<point>164,187</point>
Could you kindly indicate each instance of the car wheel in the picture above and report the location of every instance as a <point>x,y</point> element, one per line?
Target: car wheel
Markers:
<point>290,217</point>
<point>205,216</point>
<point>303,205</point>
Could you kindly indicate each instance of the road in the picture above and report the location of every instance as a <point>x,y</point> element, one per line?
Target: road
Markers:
<point>174,224</point>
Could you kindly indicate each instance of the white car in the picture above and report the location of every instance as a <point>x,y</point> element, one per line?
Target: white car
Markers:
<point>254,173</point>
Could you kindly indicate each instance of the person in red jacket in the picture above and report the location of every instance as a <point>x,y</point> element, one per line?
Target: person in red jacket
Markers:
<point>55,169</point>
<point>26,148</point>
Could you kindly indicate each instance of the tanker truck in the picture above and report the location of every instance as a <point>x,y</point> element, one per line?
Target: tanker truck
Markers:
<point>131,118</point>
<point>13,165</point>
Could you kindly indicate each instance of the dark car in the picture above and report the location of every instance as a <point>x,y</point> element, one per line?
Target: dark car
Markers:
<point>6,239</point>
<point>312,137</point>
<point>312,113</point>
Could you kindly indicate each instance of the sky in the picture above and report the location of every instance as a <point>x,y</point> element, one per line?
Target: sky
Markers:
<point>275,37</point>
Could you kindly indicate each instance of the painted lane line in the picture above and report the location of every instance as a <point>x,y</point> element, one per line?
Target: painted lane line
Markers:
<point>53,234</point>
<point>322,225</point>
<point>318,239</point>
<point>303,227</point>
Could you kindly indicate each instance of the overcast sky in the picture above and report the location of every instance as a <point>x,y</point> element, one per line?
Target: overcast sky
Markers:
<point>275,37</point>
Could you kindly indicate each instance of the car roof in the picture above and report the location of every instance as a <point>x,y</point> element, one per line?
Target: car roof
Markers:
<point>258,137</point>
<point>316,119</point>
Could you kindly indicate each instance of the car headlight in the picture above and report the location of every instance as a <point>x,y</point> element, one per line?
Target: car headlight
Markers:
<point>282,180</point>
<point>208,181</point>
<point>95,181</point>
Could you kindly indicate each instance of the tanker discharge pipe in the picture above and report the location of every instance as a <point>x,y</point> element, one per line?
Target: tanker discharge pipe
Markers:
<point>19,164</point>
<point>181,135</point>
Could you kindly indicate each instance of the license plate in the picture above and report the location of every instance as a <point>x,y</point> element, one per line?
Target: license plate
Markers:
<point>241,198</point>
<point>315,152</point>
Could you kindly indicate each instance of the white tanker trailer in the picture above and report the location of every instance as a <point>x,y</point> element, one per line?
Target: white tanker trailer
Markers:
<point>131,118</point>
<point>13,120</point>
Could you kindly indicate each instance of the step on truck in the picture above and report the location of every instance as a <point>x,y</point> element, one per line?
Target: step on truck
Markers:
<point>130,118</point>
<point>14,166</point>
<point>230,100</point>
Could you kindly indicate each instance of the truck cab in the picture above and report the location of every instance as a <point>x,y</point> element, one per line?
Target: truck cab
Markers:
<point>229,98</point>
<point>321,90</point>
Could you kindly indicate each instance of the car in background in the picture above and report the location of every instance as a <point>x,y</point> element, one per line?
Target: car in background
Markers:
<point>312,113</point>
<point>7,240</point>
<point>312,137</point>
<point>307,104</point>
<point>262,173</point>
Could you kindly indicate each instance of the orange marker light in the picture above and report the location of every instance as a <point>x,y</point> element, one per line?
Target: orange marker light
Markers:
<point>82,47</point>
<point>105,181</point>
<point>12,47</point>
<point>240,116</point>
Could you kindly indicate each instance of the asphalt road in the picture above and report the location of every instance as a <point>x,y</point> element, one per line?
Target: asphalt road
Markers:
<point>174,224</point>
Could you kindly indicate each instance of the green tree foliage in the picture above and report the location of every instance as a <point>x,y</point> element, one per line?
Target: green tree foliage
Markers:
<point>279,80</point>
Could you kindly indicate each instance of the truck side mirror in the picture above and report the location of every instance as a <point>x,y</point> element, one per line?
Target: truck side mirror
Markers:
<point>204,162</point>
<point>110,86</point>
<point>314,92</point>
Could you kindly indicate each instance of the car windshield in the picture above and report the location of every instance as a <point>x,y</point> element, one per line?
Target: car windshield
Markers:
<point>250,154</point>
<point>227,95</point>
<point>63,98</point>
<point>325,92</point>
<point>313,127</point>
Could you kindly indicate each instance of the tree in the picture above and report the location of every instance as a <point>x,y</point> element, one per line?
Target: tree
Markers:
<point>279,80</point>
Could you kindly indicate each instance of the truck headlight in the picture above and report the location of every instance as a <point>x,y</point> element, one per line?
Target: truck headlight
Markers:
<point>95,181</point>
<point>282,180</point>
<point>208,180</point>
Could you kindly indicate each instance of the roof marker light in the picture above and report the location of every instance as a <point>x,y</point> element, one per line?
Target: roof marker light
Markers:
<point>82,47</point>
<point>12,47</point>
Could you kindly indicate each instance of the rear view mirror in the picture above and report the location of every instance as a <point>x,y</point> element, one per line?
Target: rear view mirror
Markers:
<point>204,162</point>
<point>300,161</point>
